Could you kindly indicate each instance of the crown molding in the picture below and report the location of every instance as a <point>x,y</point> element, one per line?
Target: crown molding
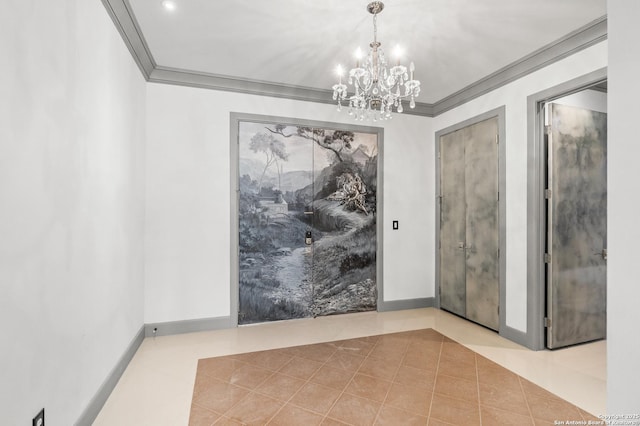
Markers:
<point>125,21</point>
<point>580,39</point>
<point>181,77</point>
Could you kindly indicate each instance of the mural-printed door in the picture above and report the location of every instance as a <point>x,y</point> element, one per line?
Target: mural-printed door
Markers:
<point>576,225</point>
<point>469,238</point>
<point>307,221</point>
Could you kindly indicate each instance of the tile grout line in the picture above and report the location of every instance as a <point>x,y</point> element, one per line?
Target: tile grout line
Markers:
<point>435,380</point>
<point>350,381</point>
<point>526,400</point>
<point>475,360</point>
<point>307,381</point>
<point>251,391</point>
<point>404,355</point>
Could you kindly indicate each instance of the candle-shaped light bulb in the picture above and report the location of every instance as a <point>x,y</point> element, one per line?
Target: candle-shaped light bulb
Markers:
<point>397,52</point>
<point>339,71</point>
<point>358,56</point>
<point>412,68</point>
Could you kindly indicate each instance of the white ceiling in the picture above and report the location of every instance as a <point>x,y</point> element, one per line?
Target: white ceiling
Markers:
<point>454,43</point>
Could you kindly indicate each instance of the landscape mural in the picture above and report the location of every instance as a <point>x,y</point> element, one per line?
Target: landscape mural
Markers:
<point>307,221</point>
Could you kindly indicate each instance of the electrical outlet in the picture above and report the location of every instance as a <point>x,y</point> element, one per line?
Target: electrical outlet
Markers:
<point>38,420</point>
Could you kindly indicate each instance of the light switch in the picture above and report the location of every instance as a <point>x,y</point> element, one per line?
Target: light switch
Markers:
<point>395,224</point>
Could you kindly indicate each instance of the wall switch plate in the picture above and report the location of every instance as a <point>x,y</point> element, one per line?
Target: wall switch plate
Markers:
<point>395,224</point>
<point>38,420</point>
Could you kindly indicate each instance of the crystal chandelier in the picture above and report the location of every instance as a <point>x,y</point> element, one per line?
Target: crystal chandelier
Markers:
<point>378,89</point>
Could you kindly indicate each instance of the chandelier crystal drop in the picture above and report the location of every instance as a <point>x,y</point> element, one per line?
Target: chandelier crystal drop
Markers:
<point>378,89</point>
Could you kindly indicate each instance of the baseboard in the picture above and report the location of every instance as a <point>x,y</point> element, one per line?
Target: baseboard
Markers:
<point>187,326</point>
<point>90,413</point>
<point>401,305</point>
<point>516,336</point>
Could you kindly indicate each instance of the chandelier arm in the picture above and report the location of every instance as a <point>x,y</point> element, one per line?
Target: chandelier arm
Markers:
<point>365,88</point>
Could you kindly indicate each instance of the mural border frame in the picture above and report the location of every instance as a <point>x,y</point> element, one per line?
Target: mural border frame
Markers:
<point>234,122</point>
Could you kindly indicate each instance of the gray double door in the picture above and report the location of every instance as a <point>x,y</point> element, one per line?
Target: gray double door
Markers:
<point>576,251</point>
<point>469,217</point>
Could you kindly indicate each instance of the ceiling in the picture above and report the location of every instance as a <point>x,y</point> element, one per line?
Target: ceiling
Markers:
<point>297,44</point>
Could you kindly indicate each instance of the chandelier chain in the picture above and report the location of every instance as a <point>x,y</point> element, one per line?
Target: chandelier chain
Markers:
<point>375,27</point>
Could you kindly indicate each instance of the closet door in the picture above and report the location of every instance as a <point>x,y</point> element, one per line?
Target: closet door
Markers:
<point>469,242</point>
<point>576,225</point>
<point>482,243</point>
<point>453,282</point>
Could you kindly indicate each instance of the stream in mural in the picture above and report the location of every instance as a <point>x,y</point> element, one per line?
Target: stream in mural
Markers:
<point>298,185</point>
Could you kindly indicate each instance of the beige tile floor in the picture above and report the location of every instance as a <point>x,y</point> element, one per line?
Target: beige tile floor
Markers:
<point>157,387</point>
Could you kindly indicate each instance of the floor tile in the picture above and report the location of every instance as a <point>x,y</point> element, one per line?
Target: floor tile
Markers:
<point>354,411</point>
<point>300,368</point>
<point>315,397</point>
<point>494,416</point>
<point>217,395</point>
<point>201,416</point>
<point>346,360</point>
<point>255,409</point>
<point>290,415</point>
<point>319,352</point>
<point>454,411</point>
<point>368,387</point>
<point>381,368</point>
<point>271,360</point>
<point>389,416</point>
<point>408,398</point>
<point>505,398</point>
<point>421,358</point>
<point>410,376</point>
<point>360,346</point>
<point>332,377</point>
<point>552,409</point>
<point>280,386</point>
<point>452,367</point>
<point>328,421</point>
<point>457,388</point>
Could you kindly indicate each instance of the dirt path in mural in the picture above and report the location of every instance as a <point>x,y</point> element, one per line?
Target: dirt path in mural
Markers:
<point>294,273</point>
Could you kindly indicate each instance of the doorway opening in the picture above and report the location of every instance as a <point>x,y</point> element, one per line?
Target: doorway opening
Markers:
<point>567,214</point>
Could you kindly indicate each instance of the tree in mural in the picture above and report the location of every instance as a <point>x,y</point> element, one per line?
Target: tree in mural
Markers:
<point>273,149</point>
<point>336,141</point>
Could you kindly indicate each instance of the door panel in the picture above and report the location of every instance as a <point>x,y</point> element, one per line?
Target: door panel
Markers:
<point>483,290</point>
<point>577,233</point>
<point>453,292</point>
<point>274,262</point>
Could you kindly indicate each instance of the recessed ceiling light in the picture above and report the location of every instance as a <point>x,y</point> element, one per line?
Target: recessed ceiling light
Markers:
<point>169,5</point>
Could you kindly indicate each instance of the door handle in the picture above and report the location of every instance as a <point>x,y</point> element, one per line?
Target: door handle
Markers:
<point>464,246</point>
<point>602,253</point>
